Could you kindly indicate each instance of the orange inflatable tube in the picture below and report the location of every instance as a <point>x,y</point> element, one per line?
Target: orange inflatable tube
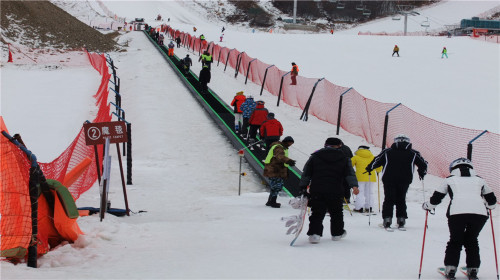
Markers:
<point>76,172</point>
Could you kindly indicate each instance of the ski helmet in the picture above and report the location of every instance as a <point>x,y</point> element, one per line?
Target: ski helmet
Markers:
<point>250,97</point>
<point>401,138</point>
<point>460,161</point>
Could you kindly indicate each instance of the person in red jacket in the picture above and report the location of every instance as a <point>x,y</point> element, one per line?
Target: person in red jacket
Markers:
<point>271,131</point>
<point>258,116</point>
<point>238,114</point>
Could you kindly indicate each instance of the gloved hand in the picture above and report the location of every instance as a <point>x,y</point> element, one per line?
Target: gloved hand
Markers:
<point>291,162</point>
<point>421,175</point>
<point>369,170</point>
<point>428,206</point>
<point>491,207</point>
<point>355,190</point>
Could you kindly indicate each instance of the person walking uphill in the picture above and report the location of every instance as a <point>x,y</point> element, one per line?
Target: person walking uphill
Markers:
<point>276,168</point>
<point>238,99</point>
<point>204,79</point>
<point>247,108</point>
<point>467,213</point>
<point>171,48</point>
<point>258,117</point>
<point>395,50</point>
<point>178,41</point>
<point>398,162</point>
<point>271,131</point>
<point>365,199</point>
<point>324,173</point>
<point>206,59</point>
<point>186,64</point>
<point>295,73</point>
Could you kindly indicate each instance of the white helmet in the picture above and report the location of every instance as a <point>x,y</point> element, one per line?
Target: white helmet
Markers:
<point>401,138</point>
<point>460,161</point>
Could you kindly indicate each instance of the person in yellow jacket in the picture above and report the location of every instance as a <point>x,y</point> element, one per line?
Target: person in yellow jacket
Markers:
<point>366,182</point>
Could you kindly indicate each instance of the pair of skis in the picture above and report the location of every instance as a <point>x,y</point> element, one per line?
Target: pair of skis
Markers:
<point>441,270</point>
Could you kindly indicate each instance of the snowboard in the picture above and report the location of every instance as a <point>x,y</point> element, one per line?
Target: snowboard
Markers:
<point>295,223</point>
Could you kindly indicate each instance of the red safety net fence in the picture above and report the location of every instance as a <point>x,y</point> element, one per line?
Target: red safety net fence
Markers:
<point>15,207</point>
<point>439,143</point>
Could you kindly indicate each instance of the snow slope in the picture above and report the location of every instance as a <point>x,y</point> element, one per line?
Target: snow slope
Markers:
<point>186,178</point>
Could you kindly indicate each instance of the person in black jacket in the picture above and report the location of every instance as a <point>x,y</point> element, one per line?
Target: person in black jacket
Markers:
<point>398,166</point>
<point>325,172</point>
<point>204,79</point>
<point>348,153</point>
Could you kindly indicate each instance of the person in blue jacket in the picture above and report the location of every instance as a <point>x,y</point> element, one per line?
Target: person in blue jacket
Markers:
<point>247,108</point>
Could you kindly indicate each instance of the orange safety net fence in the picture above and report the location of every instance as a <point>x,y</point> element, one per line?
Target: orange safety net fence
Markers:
<point>15,207</point>
<point>439,143</point>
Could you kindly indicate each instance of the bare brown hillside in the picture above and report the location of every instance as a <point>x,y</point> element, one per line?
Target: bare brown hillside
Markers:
<point>41,24</point>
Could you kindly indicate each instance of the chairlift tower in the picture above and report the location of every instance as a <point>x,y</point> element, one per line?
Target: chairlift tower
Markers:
<point>406,10</point>
<point>294,11</point>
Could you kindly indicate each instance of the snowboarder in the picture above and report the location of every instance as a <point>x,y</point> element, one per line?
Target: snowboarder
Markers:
<point>444,52</point>
<point>238,99</point>
<point>247,108</point>
<point>171,48</point>
<point>186,64</point>
<point>276,168</point>
<point>271,131</point>
<point>204,79</point>
<point>258,116</point>
<point>324,173</point>
<point>221,37</point>
<point>223,28</point>
<point>466,214</point>
<point>395,50</point>
<point>398,162</point>
<point>364,200</point>
<point>295,72</point>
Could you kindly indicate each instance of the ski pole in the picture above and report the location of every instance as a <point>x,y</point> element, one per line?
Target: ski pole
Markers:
<point>494,244</point>
<point>348,206</point>
<point>423,189</point>
<point>368,196</point>
<point>423,243</point>
<point>378,182</point>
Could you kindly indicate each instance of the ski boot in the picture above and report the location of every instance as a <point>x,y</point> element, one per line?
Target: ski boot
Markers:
<point>401,223</point>
<point>387,223</point>
<point>450,272</point>
<point>472,273</point>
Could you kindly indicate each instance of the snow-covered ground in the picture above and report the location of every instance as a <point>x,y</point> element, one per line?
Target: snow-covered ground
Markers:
<point>186,172</point>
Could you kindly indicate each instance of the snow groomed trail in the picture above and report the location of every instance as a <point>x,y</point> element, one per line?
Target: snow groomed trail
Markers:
<point>222,114</point>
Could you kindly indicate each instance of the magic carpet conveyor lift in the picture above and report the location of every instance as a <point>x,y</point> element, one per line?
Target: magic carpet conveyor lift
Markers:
<point>222,114</point>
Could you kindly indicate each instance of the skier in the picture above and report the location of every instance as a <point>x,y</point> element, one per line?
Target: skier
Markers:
<point>247,108</point>
<point>398,162</point>
<point>395,50</point>
<point>258,116</point>
<point>178,41</point>
<point>324,173</point>
<point>361,159</point>
<point>238,99</point>
<point>295,72</point>
<point>160,40</point>
<point>206,59</point>
<point>204,79</point>
<point>221,37</point>
<point>271,131</point>
<point>194,29</point>
<point>444,52</point>
<point>466,214</point>
<point>187,63</point>
<point>276,168</point>
<point>171,48</point>
<point>223,28</point>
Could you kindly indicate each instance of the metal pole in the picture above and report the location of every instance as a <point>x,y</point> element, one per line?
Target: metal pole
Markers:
<point>227,59</point>
<point>294,11</point>
<point>386,124</point>
<point>129,154</point>
<point>248,69</point>
<point>281,87</point>
<point>123,179</point>
<point>218,59</point>
<point>264,81</point>
<point>305,113</point>
<point>423,244</point>
<point>340,109</point>
<point>238,64</point>
<point>469,146</point>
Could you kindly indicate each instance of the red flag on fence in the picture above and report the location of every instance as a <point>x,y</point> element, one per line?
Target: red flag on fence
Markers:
<point>10,55</point>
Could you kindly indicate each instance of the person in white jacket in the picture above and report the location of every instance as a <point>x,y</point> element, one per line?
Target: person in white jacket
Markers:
<point>467,213</point>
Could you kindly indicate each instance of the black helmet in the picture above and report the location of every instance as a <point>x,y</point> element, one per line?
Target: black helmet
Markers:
<point>288,139</point>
